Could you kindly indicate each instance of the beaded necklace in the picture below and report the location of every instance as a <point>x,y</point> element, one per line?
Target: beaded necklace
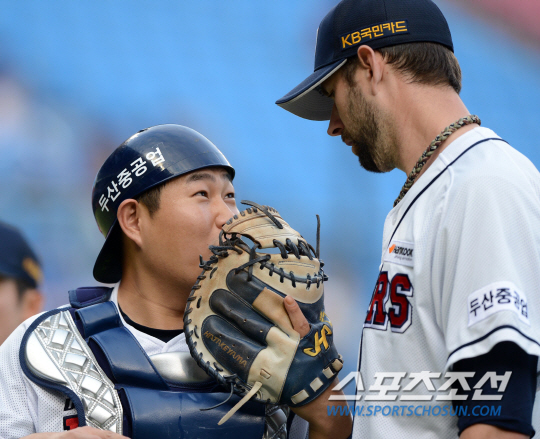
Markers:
<point>452,128</point>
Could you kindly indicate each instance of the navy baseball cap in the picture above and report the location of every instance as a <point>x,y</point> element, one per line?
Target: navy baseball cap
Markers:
<point>353,23</point>
<point>17,259</point>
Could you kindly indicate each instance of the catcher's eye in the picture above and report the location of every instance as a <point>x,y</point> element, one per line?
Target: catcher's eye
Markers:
<point>203,193</point>
<point>230,195</point>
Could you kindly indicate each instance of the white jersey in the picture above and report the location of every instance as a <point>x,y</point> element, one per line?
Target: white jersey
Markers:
<point>460,272</point>
<point>27,408</point>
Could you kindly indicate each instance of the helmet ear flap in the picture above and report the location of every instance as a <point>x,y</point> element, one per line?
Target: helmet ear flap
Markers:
<point>145,160</point>
<point>108,266</point>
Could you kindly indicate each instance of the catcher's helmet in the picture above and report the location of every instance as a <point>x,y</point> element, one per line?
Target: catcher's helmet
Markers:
<point>147,159</point>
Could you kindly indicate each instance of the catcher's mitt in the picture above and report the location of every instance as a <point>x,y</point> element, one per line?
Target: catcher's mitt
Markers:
<point>236,325</point>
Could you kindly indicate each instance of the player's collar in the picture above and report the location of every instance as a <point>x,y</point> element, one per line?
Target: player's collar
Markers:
<point>450,153</point>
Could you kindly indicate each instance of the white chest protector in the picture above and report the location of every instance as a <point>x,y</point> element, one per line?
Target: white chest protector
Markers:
<point>87,354</point>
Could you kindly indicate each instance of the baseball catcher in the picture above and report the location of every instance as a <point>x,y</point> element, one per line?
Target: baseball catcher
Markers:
<point>236,326</point>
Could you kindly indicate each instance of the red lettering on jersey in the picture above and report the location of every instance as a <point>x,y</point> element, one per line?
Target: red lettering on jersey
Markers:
<point>400,309</point>
<point>377,317</point>
<point>71,422</point>
<point>399,312</point>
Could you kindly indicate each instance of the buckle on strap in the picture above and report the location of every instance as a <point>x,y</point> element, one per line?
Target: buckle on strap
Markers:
<point>86,296</point>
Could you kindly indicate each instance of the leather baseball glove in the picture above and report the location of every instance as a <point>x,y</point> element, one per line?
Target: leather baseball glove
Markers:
<point>236,325</point>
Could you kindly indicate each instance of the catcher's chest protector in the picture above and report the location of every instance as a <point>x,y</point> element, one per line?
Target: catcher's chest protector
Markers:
<point>86,353</point>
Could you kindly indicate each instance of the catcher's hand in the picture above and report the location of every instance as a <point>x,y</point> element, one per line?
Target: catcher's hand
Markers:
<point>236,325</point>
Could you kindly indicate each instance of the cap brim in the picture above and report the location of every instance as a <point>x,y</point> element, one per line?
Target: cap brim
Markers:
<point>17,273</point>
<point>108,266</point>
<point>306,101</point>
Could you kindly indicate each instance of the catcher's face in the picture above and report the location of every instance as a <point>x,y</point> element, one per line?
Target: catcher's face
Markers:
<point>9,309</point>
<point>193,209</point>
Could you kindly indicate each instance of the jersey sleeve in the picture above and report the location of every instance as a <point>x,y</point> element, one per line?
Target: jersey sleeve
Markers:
<point>16,415</point>
<point>486,266</point>
<point>514,410</point>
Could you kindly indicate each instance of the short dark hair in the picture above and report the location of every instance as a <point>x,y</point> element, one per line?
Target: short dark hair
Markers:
<point>151,198</point>
<point>21,285</point>
<point>423,63</point>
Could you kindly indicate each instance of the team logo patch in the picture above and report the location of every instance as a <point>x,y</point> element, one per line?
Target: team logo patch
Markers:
<point>71,422</point>
<point>386,29</point>
<point>496,297</point>
<point>400,252</point>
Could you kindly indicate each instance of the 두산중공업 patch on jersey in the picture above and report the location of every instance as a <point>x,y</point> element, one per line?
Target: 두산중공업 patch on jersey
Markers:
<point>495,297</point>
<point>400,252</point>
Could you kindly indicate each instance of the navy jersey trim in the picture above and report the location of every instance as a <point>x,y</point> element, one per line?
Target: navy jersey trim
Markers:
<point>516,406</point>
<point>498,328</point>
<point>438,175</point>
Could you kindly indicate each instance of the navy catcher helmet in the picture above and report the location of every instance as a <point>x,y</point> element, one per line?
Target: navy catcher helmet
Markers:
<point>145,160</point>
